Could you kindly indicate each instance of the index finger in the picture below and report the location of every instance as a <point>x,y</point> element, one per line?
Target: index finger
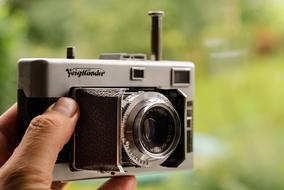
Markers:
<point>8,121</point>
<point>8,126</point>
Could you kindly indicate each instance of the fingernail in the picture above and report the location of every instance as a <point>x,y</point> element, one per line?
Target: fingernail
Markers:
<point>66,106</point>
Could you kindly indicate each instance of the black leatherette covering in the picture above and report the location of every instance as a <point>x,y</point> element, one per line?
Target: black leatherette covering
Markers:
<point>96,139</point>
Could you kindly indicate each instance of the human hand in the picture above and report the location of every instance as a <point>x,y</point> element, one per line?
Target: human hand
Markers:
<point>29,166</point>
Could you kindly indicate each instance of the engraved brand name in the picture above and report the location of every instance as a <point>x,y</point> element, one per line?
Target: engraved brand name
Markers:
<point>81,72</point>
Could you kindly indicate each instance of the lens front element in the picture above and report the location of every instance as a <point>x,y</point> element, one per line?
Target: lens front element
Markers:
<point>157,129</point>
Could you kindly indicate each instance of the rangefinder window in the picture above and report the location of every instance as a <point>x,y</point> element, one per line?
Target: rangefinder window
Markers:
<point>137,73</point>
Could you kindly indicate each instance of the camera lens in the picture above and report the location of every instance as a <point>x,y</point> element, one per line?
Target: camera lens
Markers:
<point>157,130</point>
<point>151,128</point>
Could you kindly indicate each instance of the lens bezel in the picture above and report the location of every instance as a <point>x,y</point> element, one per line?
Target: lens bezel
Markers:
<point>136,105</point>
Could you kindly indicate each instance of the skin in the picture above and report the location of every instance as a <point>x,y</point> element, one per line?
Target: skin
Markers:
<point>29,165</point>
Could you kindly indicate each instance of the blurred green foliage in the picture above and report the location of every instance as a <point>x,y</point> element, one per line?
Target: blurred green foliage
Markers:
<point>236,45</point>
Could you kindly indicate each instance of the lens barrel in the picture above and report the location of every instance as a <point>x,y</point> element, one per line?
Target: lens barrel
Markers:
<point>151,128</point>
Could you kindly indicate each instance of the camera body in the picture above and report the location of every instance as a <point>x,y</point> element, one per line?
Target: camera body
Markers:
<point>135,114</point>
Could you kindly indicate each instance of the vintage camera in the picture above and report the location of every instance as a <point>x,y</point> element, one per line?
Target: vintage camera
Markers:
<point>135,114</point>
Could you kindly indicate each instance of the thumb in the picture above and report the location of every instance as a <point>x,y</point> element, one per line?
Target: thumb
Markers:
<point>44,138</point>
<point>118,183</point>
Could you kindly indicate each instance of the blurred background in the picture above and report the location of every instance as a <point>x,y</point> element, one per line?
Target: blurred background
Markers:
<point>237,47</point>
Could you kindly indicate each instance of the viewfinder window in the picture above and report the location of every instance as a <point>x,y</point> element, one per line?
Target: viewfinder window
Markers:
<point>180,76</point>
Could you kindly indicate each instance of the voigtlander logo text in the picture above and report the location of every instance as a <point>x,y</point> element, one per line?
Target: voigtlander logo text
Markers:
<point>82,72</point>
